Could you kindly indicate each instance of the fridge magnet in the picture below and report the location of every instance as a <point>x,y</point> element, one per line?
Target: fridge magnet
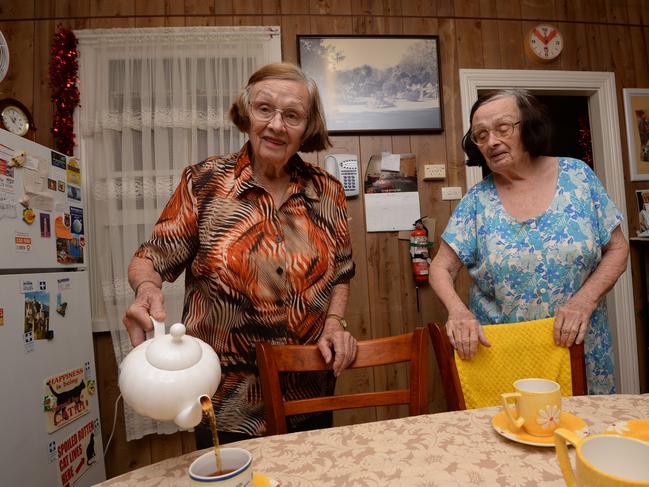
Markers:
<point>74,172</point>
<point>61,230</point>
<point>18,160</point>
<point>24,201</point>
<point>77,454</point>
<point>69,251</point>
<point>58,160</point>
<point>45,225</point>
<point>51,184</point>
<point>61,185</point>
<point>61,306</point>
<point>76,217</point>
<point>23,242</point>
<point>51,452</point>
<point>37,314</point>
<point>6,169</point>
<point>29,216</point>
<point>66,398</point>
<point>28,341</point>
<point>2,316</point>
<point>26,286</point>
<point>64,283</point>
<point>74,192</point>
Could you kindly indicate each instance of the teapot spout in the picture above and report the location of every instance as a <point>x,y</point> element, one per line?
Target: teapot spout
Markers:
<point>191,415</point>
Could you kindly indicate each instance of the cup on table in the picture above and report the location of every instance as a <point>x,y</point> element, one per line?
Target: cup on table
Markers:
<point>538,404</point>
<point>603,460</point>
<point>237,468</point>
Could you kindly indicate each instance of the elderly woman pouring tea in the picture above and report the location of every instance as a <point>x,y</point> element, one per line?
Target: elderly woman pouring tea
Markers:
<point>264,242</point>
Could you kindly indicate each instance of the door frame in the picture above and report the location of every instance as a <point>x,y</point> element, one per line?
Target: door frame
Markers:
<point>600,89</point>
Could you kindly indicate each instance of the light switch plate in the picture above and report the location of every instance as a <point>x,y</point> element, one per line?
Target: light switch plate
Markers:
<point>452,193</point>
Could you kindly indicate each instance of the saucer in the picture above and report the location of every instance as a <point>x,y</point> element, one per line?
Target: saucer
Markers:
<point>633,428</point>
<point>569,421</point>
<point>261,480</point>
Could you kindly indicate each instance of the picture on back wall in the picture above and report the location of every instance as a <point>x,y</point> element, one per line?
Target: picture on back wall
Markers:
<point>375,84</point>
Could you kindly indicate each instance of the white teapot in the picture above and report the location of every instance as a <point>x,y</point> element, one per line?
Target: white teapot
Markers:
<point>165,377</point>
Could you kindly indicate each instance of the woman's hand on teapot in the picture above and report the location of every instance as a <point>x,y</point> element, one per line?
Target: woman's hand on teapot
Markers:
<point>149,301</point>
<point>339,341</point>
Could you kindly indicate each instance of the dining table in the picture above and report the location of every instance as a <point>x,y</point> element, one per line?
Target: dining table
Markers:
<point>459,448</point>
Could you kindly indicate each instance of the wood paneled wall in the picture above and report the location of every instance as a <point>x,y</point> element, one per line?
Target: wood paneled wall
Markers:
<point>600,35</point>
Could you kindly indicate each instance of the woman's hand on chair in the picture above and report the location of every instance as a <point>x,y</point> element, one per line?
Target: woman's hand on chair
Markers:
<point>571,321</point>
<point>464,332</point>
<point>337,344</point>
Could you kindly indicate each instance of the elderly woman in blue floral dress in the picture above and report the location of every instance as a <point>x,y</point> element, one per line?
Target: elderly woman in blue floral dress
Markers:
<point>539,236</point>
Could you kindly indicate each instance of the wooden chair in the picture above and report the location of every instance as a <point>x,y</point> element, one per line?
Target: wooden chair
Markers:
<point>273,359</point>
<point>444,354</point>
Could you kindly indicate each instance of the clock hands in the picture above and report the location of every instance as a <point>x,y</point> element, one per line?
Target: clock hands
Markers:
<point>543,38</point>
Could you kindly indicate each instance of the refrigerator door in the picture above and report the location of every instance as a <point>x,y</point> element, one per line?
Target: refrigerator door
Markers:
<point>41,207</point>
<point>50,433</point>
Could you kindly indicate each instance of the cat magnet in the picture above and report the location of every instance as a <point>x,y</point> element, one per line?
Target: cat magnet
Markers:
<point>66,398</point>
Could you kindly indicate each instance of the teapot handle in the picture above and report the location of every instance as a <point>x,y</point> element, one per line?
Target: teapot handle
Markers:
<point>158,327</point>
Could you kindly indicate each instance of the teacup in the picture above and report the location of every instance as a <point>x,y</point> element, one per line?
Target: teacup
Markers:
<point>538,403</point>
<point>236,462</point>
<point>603,460</point>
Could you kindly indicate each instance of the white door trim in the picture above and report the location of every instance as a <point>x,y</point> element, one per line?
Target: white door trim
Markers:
<point>607,154</point>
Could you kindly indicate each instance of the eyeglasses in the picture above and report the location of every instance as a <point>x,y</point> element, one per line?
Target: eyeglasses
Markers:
<point>501,131</point>
<point>265,113</point>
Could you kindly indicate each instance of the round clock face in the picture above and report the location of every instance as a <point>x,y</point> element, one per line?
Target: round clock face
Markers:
<point>545,42</point>
<point>15,120</point>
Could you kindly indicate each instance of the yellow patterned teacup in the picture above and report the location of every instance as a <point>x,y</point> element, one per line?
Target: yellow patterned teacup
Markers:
<point>603,460</point>
<point>538,404</point>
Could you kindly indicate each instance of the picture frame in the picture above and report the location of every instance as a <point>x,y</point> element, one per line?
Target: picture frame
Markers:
<point>376,84</point>
<point>636,109</point>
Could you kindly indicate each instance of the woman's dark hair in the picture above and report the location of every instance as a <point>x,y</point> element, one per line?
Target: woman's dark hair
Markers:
<point>316,137</point>
<point>535,127</point>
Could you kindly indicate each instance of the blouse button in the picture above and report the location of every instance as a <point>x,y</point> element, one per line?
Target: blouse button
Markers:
<point>539,257</point>
<point>278,238</point>
<point>280,271</point>
<point>533,225</point>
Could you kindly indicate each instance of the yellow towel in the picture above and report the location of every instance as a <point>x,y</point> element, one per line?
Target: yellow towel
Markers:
<point>518,351</point>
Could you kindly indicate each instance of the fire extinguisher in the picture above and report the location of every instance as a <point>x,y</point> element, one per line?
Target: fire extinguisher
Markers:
<point>419,256</point>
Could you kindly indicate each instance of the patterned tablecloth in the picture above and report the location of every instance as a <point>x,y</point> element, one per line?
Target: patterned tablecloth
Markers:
<point>446,449</point>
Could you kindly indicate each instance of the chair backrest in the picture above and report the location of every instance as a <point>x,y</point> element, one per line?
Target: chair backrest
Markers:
<point>273,359</point>
<point>517,351</point>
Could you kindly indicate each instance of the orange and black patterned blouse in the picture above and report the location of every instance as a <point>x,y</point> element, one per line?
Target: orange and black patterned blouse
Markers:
<point>253,272</point>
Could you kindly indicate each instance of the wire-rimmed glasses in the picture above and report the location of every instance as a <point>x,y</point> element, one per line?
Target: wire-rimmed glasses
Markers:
<point>265,113</point>
<point>502,131</point>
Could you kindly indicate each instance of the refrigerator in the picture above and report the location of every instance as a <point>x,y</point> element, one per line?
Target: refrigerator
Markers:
<point>50,431</point>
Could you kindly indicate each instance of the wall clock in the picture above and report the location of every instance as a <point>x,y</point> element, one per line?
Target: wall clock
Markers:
<point>544,43</point>
<point>15,117</point>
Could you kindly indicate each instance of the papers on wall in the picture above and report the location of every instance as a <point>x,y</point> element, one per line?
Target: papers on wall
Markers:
<point>391,196</point>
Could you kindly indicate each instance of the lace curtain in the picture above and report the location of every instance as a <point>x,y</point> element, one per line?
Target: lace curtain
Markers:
<point>152,101</point>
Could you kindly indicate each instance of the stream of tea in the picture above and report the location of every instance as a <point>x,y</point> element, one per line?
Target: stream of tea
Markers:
<point>206,404</point>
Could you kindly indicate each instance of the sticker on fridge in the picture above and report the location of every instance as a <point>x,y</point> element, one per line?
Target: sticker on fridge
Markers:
<point>23,242</point>
<point>66,398</point>
<point>77,453</point>
<point>74,172</point>
<point>37,314</point>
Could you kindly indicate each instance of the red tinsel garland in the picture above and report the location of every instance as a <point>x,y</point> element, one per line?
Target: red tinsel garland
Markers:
<point>65,93</point>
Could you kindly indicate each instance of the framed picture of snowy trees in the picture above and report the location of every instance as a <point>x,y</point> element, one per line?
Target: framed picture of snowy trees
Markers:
<point>376,83</point>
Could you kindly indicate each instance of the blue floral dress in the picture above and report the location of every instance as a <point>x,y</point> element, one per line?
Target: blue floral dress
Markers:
<point>524,270</point>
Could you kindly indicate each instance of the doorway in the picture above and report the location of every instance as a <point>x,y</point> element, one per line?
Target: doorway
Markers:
<point>599,90</point>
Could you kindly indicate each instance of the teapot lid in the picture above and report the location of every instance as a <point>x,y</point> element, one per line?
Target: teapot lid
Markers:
<point>174,351</point>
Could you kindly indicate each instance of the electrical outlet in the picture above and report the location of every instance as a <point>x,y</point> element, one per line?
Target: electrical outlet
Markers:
<point>452,193</point>
<point>434,171</point>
